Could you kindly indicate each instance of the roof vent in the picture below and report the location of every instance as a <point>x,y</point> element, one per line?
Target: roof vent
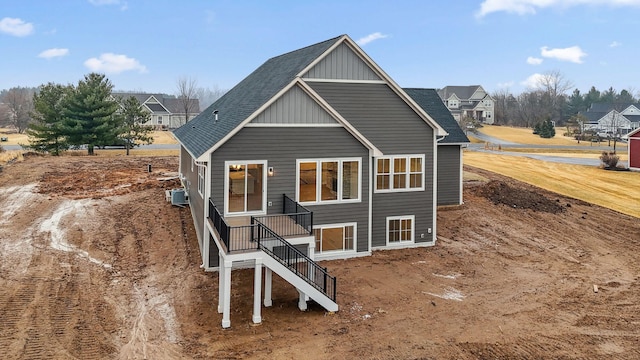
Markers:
<point>215,116</point>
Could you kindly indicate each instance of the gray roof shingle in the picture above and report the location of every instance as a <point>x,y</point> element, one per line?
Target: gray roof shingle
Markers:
<point>432,104</point>
<point>202,133</point>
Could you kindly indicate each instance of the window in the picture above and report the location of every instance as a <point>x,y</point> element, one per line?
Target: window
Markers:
<point>328,181</point>
<point>159,120</point>
<point>400,173</point>
<point>332,238</point>
<point>201,172</point>
<point>400,229</point>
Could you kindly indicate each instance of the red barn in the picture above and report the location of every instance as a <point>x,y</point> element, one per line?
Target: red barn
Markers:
<point>634,149</point>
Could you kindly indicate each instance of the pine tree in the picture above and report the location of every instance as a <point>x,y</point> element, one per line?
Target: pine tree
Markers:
<point>131,119</point>
<point>46,133</point>
<point>88,115</point>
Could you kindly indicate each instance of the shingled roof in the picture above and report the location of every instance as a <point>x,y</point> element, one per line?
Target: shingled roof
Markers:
<point>203,132</point>
<point>432,104</point>
<point>462,92</point>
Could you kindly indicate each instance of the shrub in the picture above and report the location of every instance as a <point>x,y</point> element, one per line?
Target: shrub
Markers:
<point>609,159</point>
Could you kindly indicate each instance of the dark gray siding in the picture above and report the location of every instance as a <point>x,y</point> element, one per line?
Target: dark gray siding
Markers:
<point>342,63</point>
<point>449,174</point>
<point>394,128</point>
<point>281,147</point>
<point>196,202</point>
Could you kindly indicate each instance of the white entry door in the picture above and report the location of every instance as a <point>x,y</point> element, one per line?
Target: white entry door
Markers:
<point>245,187</point>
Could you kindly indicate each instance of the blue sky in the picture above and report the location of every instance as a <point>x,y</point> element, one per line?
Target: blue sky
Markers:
<point>147,45</point>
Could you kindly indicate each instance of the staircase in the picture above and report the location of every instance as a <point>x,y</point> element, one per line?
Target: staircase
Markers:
<point>297,268</point>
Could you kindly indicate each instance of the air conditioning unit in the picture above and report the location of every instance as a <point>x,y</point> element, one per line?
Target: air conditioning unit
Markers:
<point>179,197</point>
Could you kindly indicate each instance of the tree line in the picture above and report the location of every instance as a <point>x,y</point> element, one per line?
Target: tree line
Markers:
<point>549,100</point>
<point>86,114</point>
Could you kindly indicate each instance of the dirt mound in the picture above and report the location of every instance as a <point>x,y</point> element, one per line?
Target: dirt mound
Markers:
<point>95,179</point>
<point>500,192</point>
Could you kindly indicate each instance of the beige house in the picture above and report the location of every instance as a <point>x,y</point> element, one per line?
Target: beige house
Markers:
<point>468,101</point>
<point>167,111</point>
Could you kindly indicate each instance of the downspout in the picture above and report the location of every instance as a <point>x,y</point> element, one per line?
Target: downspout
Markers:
<point>205,205</point>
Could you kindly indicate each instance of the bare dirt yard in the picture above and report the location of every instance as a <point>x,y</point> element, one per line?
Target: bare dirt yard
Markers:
<point>95,264</point>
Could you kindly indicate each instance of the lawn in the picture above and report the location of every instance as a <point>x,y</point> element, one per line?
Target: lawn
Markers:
<point>525,136</point>
<point>617,190</point>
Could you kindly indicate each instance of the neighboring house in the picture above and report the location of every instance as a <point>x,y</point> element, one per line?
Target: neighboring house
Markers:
<point>609,119</point>
<point>449,183</point>
<point>634,149</point>
<point>166,111</point>
<point>317,154</point>
<point>468,101</point>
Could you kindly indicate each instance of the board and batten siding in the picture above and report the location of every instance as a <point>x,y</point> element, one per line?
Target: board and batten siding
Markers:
<point>281,147</point>
<point>386,120</point>
<point>294,107</point>
<point>342,63</point>
<point>190,182</point>
<point>448,190</point>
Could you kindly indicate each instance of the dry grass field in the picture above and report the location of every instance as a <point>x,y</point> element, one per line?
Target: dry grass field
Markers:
<point>13,138</point>
<point>616,190</point>
<point>525,136</point>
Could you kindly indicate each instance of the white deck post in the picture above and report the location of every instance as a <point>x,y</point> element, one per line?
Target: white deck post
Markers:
<point>226,305</point>
<point>257,291</point>
<point>220,282</point>
<point>268,276</point>
<point>302,301</point>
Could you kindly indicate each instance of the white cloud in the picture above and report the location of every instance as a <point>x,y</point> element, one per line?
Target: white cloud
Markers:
<point>533,81</point>
<point>615,44</point>
<point>534,61</point>
<point>371,37</point>
<point>572,54</point>
<point>524,7</point>
<point>114,63</point>
<point>123,4</point>
<point>54,52</point>
<point>15,27</point>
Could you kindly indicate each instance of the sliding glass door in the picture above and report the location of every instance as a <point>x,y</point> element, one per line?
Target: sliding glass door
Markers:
<point>245,187</point>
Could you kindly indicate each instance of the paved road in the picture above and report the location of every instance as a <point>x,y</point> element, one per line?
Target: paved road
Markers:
<point>595,161</point>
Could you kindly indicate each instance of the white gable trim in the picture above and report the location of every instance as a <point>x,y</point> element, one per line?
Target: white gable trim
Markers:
<point>344,81</point>
<point>156,102</point>
<point>352,130</point>
<point>314,96</point>
<point>392,84</point>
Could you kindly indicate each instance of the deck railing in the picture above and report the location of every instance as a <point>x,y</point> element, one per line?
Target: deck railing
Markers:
<point>295,260</point>
<point>235,238</point>
<point>298,213</point>
<point>259,236</point>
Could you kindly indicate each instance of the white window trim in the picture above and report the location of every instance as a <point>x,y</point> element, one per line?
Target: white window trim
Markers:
<point>413,230</point>
<point>226,187</point>
<point>392,173</point>
<point>201,182</point>
<point>319,181</point>
<point>320,253</point>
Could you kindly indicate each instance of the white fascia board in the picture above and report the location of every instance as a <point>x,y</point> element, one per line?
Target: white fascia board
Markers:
<point>336,115</point>
<point>233,132</point>
<point>392,84</point>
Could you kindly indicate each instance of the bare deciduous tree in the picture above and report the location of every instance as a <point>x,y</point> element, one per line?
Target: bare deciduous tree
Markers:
<point>19,102</point>
<point>208,96</point>
<point>187,94</point>
<point>555,86</point>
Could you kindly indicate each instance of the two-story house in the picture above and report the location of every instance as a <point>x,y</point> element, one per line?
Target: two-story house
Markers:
<point>167,111</point>
<point>468,101</point>
<point>609,119</point>
<point>318,154</point>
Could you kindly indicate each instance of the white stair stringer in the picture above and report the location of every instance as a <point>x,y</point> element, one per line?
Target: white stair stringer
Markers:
<point>299,283</point>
